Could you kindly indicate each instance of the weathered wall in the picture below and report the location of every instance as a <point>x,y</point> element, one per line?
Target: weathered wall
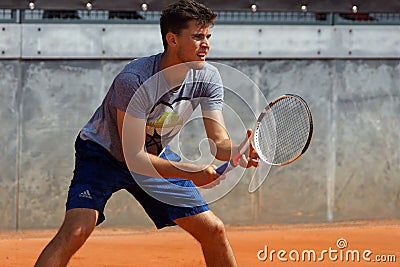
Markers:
<point>351,171</point>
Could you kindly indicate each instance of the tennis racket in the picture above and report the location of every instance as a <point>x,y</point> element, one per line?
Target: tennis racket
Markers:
<point>281,134</point>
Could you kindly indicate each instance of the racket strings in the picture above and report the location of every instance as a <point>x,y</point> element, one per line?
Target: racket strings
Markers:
<point>265,138</point>
<point>290,119</point>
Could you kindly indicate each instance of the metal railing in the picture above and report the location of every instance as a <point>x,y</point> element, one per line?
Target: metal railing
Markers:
<point>224,17</point>
<point>9,15</point>
<point>272,18</point>
<point>367,19</point>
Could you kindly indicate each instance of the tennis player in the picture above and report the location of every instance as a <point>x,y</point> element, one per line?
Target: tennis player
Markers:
<point>124,144</point>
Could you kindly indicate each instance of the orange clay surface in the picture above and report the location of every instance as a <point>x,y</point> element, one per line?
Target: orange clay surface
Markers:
<point>368,244</point>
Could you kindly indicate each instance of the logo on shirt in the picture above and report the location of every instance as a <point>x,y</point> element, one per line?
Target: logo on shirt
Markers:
<point>167,120</point>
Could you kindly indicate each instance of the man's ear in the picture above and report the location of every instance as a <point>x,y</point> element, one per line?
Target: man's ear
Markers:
<point>171,39</point>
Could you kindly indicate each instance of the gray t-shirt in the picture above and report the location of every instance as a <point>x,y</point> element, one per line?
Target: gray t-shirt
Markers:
<point>141,91</point>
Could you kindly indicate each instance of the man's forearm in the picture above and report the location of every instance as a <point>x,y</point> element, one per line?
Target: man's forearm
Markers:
<point>225,149</point>
<point>153,166</point>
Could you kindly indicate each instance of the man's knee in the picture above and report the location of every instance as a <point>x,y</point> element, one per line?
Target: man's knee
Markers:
<point>78,225</point>
<point>217,228</point>
<point>214,233</point>
<point>77,233</point>
<point>204,227</point>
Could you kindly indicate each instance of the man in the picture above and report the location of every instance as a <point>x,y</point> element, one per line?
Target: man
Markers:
<point>123,146</point>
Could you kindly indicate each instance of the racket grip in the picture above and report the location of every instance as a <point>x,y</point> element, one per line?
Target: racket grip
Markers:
<point>229,165</point>
<point>226,167</point>
<point>221,169</point>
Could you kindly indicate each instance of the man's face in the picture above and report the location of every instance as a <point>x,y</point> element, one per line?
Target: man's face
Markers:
<point>193,44</point>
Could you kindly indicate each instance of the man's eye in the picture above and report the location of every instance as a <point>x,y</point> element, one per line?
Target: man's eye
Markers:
<point>201,36</point>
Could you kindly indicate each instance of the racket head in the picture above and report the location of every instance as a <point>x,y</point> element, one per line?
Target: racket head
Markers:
<point>283,130</point>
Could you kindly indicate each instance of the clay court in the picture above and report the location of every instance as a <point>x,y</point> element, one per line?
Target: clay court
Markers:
<point>345,244</point>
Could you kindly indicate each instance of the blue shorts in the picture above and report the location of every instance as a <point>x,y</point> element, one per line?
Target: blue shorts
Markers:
<point>98,175</point>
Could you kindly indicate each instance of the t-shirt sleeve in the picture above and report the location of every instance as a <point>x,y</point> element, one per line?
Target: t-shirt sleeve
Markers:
<point>214,93</point>
<point>128,95</point>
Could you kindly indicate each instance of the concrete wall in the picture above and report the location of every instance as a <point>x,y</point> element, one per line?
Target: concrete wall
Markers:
<point>351,171</point>
<point>50,84</point>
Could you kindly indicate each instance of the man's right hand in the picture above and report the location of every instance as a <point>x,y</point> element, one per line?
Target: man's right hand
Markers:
<point>207,177</point>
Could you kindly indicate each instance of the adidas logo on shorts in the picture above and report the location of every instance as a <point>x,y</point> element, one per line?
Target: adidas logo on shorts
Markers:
<point>86,194</point>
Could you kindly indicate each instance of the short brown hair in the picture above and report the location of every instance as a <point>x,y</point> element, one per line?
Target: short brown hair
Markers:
<point>176,16</point>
